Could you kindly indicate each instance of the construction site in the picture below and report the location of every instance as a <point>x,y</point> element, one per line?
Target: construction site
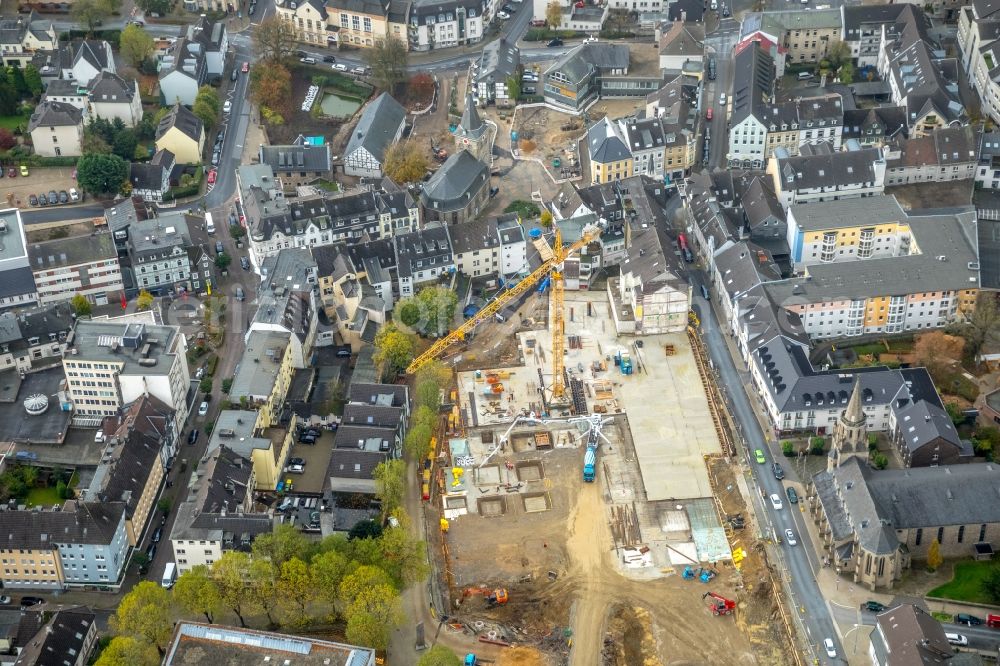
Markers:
<point>589,503</point>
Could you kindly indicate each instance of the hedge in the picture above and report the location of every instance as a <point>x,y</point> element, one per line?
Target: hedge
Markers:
<point>39,161</point>
<point>544,34</point>
<point>182,191</point>
<point>213,363</point>
<point>111,36</point>
<point>344,84</point>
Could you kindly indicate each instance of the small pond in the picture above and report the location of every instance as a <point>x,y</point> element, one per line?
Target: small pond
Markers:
<point>337,105</point>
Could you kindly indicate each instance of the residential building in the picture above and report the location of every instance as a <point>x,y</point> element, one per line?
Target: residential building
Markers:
<point>874,525</point>
<point>66,637</point>
<point>610,157</point>
<point>112,97</point>
<point>248,435</point>
<point>182,71</point>
<point>682,46</point>
<point>805,35</point>
<point>862,27</point>
<point>356,305</point>
<point>737,269</point>
<point>920,78</point>
<point>367,436</point>
<point>211,38</point>
<point>56,129</point>
<point>286,301</point>
<point>804,121</point>
<point>753,88</point>
<point>979,50</point>
<point>309,20</point>
<point>867,266</point>
<point>422,257</point>
<point>656,151</point>
<point>300,163</point>
<point>380,125</point>
<point>264,373</point>
<point>34,338</point>
<point>578,78</point>
<point>85,265</point>
<point>436,24</point>
<point>875,127</point>
<point>217,515</point>
<point>183,134</point>
<point>110,365</point>
<point>457,192</point>
<point>821,175</point>
<point>68,92</point>
<point>151,180</point>
<point>23,36</point>
<point>675,105</point>
<point>988,166</point>
<point>907,634</point>
<point>82,543</point>
<point>163,258</point>
<point>194,641</point>
<point>493,246</point>
<point>135,466</point>
<point>82,60</point>
<point>589,18</point>
<point>363,23</point>
<point>499,61</point>
<point>649,297</point>
<point>946,154</point>
<point>17,284</point>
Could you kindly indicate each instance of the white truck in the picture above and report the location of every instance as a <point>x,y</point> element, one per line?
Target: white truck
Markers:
<point>169,575</point>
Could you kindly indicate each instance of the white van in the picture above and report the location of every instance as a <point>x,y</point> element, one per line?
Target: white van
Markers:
<point>805,76</point>
<point>169,575</point>
<point>209,223</point>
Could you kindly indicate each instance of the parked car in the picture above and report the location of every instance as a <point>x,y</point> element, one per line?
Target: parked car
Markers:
<point>790,538</point>
<point>874,606</point>
<point>12,172</point>
<point>32,199</point>
<point>227,106</point>
<point>27,602</point>
<point>503,16</point>
<point>42,199</point>
<point>296,469</point>
<point>708,114</point>
<point>968,620</point>
<point>360,71</point>
<point>253,9</point>
<point>307,439</point>
<point>74,196</point>
<point>236,75</point>
<point>776,502</point>
<point>63,196</point>
<point>758,455</point>
<point>193,437</point>
<point>340,67</point>
<point>203,409</point>
<point>240,296</point>
<point>296,461</point>
<point>329,58</point>
<point>793,497</point>
<point>244,263</point>
<point>219,249</point>
<point>53,197</point>
<point>216,156</point>
<point>157,535</point>
<point>212,175</point>
<point>245,68</point>
<point>555,42</point>
<point>308,61</point>
<point>4,600</point>
<point>831,651</point>
<point>24,170</point>
<point>199,373</point>
<point>956,639</point>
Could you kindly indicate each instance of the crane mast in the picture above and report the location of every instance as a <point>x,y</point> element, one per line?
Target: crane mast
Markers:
<point>558,322</point>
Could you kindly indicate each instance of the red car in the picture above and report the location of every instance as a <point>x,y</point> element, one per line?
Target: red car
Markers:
<point>708,114</point>
<point>246,67</point>
<point>12,172</point>
<point>211,176</point>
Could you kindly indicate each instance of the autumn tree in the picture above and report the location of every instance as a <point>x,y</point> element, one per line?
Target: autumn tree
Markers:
<point>403,557</point>
<point>393,351</point>
<point>934,559</point>
<point>274,40</point>
<point>981,326</point>
<point>197,592</point>
<point>390,484</point>
<point>417,441</point>
<point>144,614</point>
<point>283,544</point>
<point>938,351</point>
<point>144,300</point>
<point>271,88</point>
<point>546,218</point>
<point>262,586</point>
<point>387,60</point>
<point>207,106</point>
<point>328,570</point>
<point>405,162</point>
<point>296,589</point>
<point>231,574</point>
<point>838,53</point>
<point>7,139</point>
<point>553,14</point>
<point>439,655</point>
<point>81,306</point>
<point>90,13</point>
<point>135,44</point>
<point>372,616</point>
<point>128,651</point>
<point>421,87</point>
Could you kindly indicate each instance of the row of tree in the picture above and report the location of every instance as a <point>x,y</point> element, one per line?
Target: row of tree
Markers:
<point>287,580</point>
<point>17,84</point>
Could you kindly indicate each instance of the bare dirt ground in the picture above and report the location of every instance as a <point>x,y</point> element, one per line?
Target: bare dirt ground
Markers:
<point>302,122</point>
<point>434,128</point>
<point>933,195</point>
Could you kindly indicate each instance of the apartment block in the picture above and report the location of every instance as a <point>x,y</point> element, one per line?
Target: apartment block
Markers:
<point>819,174</point>
<point>946,154</point>
<point>84,265</point>
<point>804,35</point>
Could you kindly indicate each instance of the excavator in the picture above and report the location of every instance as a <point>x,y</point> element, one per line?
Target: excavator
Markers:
<point>496,597</point>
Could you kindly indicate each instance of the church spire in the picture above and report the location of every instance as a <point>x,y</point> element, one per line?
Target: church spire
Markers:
<point>854,415</point>
<point>471,122</point>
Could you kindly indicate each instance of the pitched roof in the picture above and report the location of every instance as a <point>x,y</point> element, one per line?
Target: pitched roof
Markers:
<point>458,181</point>
<point>471,124</point>
<point>393,395</point>
<point>298,156</point>
<point>908,635</point>
<point>683,39</point>
<point>499,60</point>
<point>77,522</point>
<point>184,120</point>
<point>55,114</point>
<point>753,87</point>
<point>583,60</point>
<point>62,640</point>
<point>146,176</point>
<point>378,126</point>
<point>605,142</point>
<point>806,172</point>
<point>108,87</point>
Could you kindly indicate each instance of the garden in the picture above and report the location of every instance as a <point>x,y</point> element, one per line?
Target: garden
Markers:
<point>973,582</point>
<point>33,486</point>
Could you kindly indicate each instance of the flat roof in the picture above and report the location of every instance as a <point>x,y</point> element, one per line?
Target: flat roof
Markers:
<point>259,365</point>
<point>16,425</point>
<point>197,643</point>
<point>113,343</point>
<point>14,244</point>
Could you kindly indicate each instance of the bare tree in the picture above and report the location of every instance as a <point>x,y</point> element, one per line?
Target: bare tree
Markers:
<point>388,62</point>
<point>274,39</point>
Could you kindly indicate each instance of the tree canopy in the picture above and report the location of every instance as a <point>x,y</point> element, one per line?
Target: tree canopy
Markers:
<point>393,350</point>
<point>101,174</point>
<point>405,162</point>
<point>135,44</point>
<point>387,60</point>
<point>144,614</point>
<point>274,39</point>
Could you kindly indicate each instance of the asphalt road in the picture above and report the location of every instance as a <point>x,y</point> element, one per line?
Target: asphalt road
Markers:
<point>798,562</point>
<point>720,44</point>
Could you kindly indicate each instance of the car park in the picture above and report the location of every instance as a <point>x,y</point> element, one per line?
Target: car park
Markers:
<point>776,502</point>
<point>831,651</point>
<point>758,455</point>
<point>793,497</point>
<point>203,409</point>
<point>555,42</point>
<point>779,473</point>
<point>193,437</point>
<point>790,538</point>
<point>32,199</point>
<point>53,198</point>
<point>63,196</point>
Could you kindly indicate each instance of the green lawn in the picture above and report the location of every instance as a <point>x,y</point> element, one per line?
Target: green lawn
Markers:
<point>42,497</point>
<point>10,122</point>
<point>328,185</point>
<point>966,585</point>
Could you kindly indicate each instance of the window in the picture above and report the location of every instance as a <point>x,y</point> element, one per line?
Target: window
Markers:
<point>940,535</point>
<point>368,24</point>
<point>920,536</point>
<point>356,22</point>
<point>961,533</point>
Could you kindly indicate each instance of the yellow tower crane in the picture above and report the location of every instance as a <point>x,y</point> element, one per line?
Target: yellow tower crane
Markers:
<point>553,259</point>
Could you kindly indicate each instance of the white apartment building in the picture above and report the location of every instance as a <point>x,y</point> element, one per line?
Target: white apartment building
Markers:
<point>822,175</point>
<point>946,154</point>
<point>85,265</point>
<point>495,246</point>
<point>109,365</point>
<point>440,24</point>
<point>979,49</point>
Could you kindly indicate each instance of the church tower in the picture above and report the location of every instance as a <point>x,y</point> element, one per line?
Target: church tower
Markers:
<point>472,133</point>
<point>850,435</point>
